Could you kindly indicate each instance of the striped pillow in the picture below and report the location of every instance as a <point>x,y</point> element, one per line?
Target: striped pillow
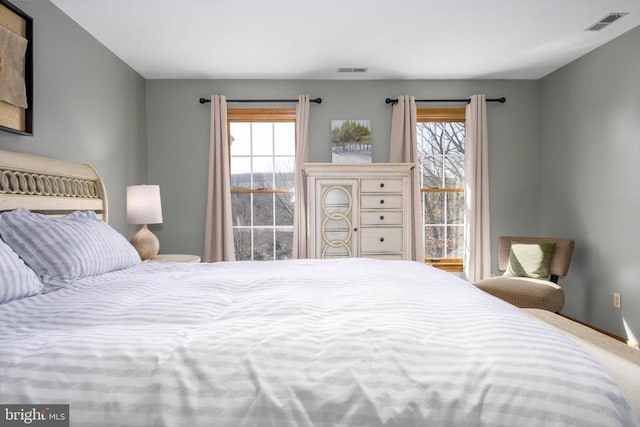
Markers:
<point>61,250</point>
<point>16,279</point>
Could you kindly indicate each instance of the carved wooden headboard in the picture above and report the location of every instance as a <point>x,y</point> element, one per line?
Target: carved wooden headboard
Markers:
<point>50,186</point>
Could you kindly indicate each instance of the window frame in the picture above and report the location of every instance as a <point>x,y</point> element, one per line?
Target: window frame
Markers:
<point>447,115</point>
<point>254,115</point>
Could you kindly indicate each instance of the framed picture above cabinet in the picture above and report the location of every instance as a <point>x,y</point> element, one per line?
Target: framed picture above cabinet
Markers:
<point>351,141</point>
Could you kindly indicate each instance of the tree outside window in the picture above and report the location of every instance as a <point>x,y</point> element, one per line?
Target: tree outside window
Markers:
<point>262,159</point>
<point>441,135</point>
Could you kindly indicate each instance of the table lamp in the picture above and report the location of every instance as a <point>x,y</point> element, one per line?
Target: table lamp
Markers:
<point>143,207</point>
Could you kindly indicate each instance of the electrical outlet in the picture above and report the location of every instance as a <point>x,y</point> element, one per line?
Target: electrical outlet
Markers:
<point>616,300</point>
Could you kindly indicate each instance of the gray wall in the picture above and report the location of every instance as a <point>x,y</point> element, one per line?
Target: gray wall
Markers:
<point>89,106</point>
<point>178,141</point>
<point>590,128</point>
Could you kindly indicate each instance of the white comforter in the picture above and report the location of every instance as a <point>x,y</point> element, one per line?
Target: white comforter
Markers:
<point>296,343</point>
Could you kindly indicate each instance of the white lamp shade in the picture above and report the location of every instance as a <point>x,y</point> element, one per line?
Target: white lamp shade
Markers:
<point>143,204</point>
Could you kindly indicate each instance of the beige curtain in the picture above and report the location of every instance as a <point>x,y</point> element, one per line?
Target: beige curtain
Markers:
<point>477,262</point>
<point>218,238</point>
<point>302,157</point>
<point>404,149</point>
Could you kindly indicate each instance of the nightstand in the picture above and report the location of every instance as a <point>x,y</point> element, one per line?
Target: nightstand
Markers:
<point>175,258</point>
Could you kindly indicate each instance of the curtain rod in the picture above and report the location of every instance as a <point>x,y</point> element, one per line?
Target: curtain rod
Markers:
<point>316,100</point>
<point>395,101</point>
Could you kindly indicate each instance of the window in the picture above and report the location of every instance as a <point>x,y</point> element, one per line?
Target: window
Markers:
<point>262,159</point>
<point>441,156</point>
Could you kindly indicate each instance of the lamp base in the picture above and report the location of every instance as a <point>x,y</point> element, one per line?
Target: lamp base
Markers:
<point>146,243</point>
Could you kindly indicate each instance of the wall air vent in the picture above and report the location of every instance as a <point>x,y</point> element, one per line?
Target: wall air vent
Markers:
<point>352,70</point>
<point>610,18</point>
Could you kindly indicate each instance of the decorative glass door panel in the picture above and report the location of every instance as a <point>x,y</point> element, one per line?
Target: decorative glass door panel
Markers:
<point>336,226</point>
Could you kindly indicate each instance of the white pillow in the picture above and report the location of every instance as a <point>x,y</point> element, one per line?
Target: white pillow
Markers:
<point>61,250</point>
<point>16,279</point>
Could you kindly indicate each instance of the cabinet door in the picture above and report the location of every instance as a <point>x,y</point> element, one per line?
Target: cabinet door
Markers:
<point>336,205</point>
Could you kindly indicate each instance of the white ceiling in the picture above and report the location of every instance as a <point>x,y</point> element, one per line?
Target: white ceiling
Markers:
<point>304,39</point>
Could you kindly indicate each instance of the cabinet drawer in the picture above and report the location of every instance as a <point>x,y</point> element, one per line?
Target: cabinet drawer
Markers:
<point>381,240</point>
<point>381,185</point>
<point>381,218</point>
<point>381,201</point>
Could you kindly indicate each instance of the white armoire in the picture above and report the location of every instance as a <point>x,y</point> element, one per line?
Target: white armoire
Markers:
<point>358,210</point>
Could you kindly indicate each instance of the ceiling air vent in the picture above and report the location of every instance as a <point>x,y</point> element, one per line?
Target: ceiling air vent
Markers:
<point>352,70</point>
<point>610,18</point>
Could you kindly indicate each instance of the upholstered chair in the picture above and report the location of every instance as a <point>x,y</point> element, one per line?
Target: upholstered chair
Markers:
<point>534,288</point>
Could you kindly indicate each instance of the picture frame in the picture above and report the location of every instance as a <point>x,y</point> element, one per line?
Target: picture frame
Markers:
<point>351,141</point>
<point>13,118</point>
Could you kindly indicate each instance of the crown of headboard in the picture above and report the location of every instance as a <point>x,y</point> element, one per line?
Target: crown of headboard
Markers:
<point>50,186</point>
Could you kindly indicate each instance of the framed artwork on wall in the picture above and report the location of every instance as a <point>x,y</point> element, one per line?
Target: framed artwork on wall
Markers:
<point>16,70</point>
<point>351,141</point>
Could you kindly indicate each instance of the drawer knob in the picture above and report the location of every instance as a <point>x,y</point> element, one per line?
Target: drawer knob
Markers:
<point>382,201</point>
<point>381,217</point>
<point>382,185</point>
<point>355,229</point>
<point>382,239</point>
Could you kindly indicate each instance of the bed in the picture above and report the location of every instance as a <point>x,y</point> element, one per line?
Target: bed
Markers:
<point>351,342</point>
